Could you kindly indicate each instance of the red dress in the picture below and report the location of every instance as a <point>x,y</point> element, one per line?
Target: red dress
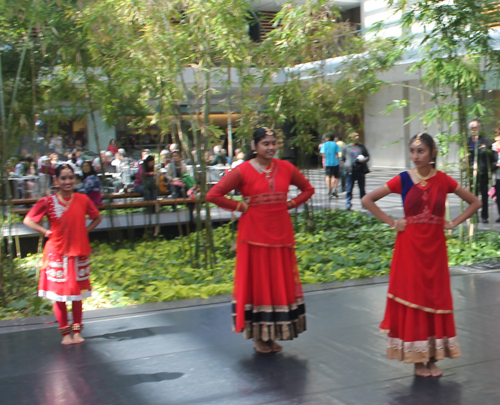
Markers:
<point>65,270</point>
<point>419,313</point>
<point>268,302</point>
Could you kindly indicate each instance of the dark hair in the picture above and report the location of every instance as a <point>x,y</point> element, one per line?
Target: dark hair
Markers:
<point>112,140</point>
<point>28,158</point>
<point>330,136</point>
<point>91,172</point>
<point>62,167</point>
<point>258,135</point>
<point>429,141</point>
<point>145,162</point>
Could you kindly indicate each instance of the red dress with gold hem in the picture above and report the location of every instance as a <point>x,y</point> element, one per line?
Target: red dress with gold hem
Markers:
<point>268,303</point>
<point>65,270</point>
<point>419,313</point>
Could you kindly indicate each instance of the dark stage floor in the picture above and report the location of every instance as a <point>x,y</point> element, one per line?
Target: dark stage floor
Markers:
<point>186,356</point>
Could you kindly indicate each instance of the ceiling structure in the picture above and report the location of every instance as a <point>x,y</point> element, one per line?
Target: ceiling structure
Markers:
<point>275,5</point>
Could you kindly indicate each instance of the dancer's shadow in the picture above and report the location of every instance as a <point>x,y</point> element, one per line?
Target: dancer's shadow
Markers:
<point>428,390</point>
<point>146,332</point>
<point>135,379</point>
<point>281,373</point>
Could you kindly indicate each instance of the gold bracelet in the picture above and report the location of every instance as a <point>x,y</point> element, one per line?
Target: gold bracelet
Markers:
<point>394,224</point>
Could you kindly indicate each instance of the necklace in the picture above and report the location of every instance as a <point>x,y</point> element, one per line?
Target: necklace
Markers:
<point>260,169</point>
<point>422,178</point>
<point>63,201</point>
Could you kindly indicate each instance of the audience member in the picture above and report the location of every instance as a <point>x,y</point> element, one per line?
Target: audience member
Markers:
<point>355,157</point>
<point>145,182</point>
<point>240,158</point>
<point>219,158</point>
<point>112,147</point>
<point>91,184</point>
<point>330,150</point>
<point>228,159</point>
<point>481,153</point>
<point>496,148</point>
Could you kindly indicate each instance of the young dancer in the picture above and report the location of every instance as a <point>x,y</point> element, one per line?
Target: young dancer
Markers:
<point>419,312</point>
<point>268,303</point>
<point>65,270</point>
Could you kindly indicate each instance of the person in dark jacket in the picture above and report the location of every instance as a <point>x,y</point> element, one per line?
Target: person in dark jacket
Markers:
<point>480,151</point>
<point>355,157</point>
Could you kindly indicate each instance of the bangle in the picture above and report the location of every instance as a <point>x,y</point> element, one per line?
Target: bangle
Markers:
<point>48,233</point>
<point>394,224</point>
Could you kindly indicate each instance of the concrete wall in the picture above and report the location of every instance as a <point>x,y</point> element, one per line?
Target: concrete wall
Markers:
<point>387,136</point>
<point>384,133</point>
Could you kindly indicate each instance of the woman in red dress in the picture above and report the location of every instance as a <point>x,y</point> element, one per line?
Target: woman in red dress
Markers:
<point>268,303</point>
<point>419,312</point>
<point>112,147</point>
<point>65,271</point>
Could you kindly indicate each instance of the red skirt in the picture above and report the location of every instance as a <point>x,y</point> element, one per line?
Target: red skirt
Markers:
<point>268,303</point>
<point>65,278</point>
<point>416,336</point>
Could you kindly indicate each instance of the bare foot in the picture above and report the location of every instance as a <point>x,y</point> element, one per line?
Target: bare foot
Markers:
<point>262,347</point>
<point>67,340</point>
<point>275,347</point>
<point>77,338</point>
<point>421,370</point>
<point>435,370</point>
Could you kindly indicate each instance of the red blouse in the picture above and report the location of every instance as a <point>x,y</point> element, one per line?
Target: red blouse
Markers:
<point>267,221</point>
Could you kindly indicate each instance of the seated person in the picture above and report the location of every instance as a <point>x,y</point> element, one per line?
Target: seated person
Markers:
<point>219,158</point>
<point>145,179</point>
<point>165,159</point>
<point>91,183</point>
<point>240,158</point>
<point>175,170</point>
<point>224,153</point>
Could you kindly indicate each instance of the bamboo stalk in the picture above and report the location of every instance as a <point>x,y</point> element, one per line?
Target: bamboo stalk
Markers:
<point>5,131</point>
<point>229,117</point>
<point>208,221</point>
<point>113,233</point>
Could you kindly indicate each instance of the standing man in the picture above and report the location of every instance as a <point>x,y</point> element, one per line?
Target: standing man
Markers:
<point>496,150</point>
<point>341,144</point>
<point>355,158</point>
<point>481,160</point>
<point>330,151</point>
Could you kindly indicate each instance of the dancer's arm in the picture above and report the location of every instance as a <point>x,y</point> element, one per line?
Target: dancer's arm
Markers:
<point>217,193</point>
<point>36,226</point>
<point>368,202</point>
<point>96,221</point>
<point>474,205</point>
<point>35,215</point>
<point>299,180</point>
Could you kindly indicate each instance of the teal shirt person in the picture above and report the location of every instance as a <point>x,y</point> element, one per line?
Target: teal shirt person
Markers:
<point>331,151</point>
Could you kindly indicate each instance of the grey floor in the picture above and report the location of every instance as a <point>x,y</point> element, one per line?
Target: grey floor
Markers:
<point>155,355</point>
